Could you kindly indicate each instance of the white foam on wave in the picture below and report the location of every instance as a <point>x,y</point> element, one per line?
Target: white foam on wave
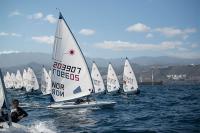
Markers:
<point>43,127</point>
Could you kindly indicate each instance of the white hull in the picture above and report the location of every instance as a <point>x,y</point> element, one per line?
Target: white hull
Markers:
<point>113,92</point>
<point>131,92</point>
<point>71,105</point>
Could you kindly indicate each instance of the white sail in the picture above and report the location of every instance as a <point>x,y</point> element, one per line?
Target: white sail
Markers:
<point>32,82</point>
<point>45,82</point>
<point>4,100</point>
<point>35,81</point>
<point>5,81</point>
<point>8,80</point>
<point>70,75</point>
<point>129,80</point>
<point>2,96</point>
<point>19,81</point>
<point>24,77</point>
<point>13,80</point>
<point>50,73</point>
<point>97,79</point>
<point>112,80</point>
<point>29,83</point>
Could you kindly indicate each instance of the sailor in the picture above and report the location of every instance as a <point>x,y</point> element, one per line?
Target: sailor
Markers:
<point>79,101</point>
<point>17,113</point>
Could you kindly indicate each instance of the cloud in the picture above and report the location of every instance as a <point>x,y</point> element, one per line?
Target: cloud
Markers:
<point>15,34</point>
<point>38,15</point>
<point>139,27</point>
<point>172,32</point>
<point>51,19</point>
<point>44,39</point>
<point>194,46</point>
<point>3,34</point>
<point>149,35</point>
<point>9,52</point>
<point>166,31</point>
<point>10,34</point>
<point>127,46</point>
<point>87,32</point>
<point>15,13</point>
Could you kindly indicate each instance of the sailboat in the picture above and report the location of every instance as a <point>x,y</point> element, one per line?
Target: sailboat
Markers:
<point>32,83</point>
<point>130,84</point>
<point>8,126</point>
<point>97,79</point>
<point>45,82</point>
<point>70,76</point>
<point>112,80</point>
<point>19,81</point>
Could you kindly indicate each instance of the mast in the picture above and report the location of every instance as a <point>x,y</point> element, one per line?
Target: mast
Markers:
<point>6,99</point>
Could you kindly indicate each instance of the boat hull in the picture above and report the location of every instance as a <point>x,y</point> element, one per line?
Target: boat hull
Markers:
<point>71,105</point>
<point>131,92</point>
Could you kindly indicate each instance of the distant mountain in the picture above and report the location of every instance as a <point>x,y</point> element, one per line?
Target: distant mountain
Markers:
<point>164,60</point>
<point>142,66</point>
<point>17,59</point>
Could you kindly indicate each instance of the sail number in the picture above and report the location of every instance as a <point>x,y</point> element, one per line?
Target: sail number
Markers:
<point>67,68</point>
<point>66,71</point>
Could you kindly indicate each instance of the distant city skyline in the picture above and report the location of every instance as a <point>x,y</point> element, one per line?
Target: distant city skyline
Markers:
<point>106,28</point>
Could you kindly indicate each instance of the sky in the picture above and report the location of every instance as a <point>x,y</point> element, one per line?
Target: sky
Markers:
<point>104,28</point>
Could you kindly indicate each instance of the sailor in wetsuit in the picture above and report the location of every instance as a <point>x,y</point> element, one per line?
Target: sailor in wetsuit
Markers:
<point>17,112</point>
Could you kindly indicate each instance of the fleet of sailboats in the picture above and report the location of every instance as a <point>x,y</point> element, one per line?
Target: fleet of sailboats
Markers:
<point>27,80</point>
<point>69,78</point>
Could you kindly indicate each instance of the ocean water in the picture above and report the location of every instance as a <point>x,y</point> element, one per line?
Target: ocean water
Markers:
<point>157,109</point>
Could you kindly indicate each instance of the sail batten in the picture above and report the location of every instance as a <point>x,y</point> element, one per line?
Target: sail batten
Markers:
<point>70,75</point>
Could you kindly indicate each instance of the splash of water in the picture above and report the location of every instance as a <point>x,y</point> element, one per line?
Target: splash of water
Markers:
<point>42,127</point>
